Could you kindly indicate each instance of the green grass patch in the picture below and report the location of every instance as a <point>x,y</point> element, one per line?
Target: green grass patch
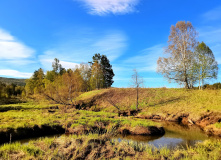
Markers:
<point>92,144</point>
<point>218,125</point>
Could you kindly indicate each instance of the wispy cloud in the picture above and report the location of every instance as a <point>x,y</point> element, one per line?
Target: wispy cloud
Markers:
<point>212,15</point>
<point>77,49</point>
<point>104,7</point>
<point>15,56</point>
<point>113,45</point>
<point>211,36</point>
<point>11,48</point>
<point>14,73</point>
<point>146,60</point>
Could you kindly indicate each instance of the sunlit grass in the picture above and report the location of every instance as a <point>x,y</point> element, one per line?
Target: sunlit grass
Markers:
<point>218,125</point>
<point>158,100</point>
<point>151,101</point>
<point>90,94</point>
<point>76,145</point>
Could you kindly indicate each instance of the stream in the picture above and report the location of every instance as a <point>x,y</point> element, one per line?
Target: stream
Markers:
<point>175,136</point>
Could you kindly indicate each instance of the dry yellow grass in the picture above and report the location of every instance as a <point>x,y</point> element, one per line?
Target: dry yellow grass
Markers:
<point>156,100</point>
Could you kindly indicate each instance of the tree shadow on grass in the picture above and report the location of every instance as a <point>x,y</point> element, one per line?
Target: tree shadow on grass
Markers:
<point>167,101</point>
<point>9,108</point>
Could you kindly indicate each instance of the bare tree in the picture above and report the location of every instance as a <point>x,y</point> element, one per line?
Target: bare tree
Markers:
<point>181,44</point>
<point>137,81</point>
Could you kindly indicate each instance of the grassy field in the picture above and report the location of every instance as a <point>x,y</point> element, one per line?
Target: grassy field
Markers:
<point>29,114</point>
<point>154,100</point>
<point>98,115</point>
<point>25,119</point>
<point>163,102</point>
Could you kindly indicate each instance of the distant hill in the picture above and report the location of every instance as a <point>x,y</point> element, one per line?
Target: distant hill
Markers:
<point>19,82</point>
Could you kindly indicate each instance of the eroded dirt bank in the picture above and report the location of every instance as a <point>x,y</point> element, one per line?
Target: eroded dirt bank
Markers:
<point>11,135</point>
<point>125,130</point>
<point>206,122</point>
<point>119,127</point>
<point>189,107</point>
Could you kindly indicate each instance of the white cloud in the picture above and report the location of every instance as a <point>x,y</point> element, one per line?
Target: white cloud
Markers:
<point>10,48</point>
<point>47,63</point>
<point>4,36</point>
<point>14,73</point>
<point>103,7</point>
<point>212,15</point>
<point>76,50</point>
<point>68,65</point>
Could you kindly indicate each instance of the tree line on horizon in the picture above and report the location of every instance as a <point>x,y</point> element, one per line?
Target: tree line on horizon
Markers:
<point>64,85</point>
<point>9,90</point>
<point>188,61</point>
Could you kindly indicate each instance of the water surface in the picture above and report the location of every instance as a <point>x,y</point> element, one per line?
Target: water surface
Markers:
<point>175,136</point>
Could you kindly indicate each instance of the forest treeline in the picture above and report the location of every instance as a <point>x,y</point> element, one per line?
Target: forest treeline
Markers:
<point>16,81</point>
<point>64,85</point>
<point>10,90</point>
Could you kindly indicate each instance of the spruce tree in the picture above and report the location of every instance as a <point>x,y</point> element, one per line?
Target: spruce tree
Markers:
<point>108,71</point>
<point>106,68</point>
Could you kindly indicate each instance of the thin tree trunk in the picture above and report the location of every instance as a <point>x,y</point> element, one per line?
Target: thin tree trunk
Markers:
<point>137,98</point>
<point>202,84</point>
<point>137,92</point>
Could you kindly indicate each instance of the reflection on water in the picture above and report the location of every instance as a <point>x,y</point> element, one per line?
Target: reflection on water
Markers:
<point>26,141</point>
<point>175,136</point>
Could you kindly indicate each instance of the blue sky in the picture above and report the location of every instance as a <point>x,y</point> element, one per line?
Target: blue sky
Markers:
<point>132,33</point>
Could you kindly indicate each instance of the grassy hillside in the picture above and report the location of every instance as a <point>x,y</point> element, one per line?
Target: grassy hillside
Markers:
<point>155,100</point>
<point>19,82</point>
<point>201,107</point>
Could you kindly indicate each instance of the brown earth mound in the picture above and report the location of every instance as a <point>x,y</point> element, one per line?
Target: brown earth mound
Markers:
<point>204,122</point>
<point>23,133</point>
<point>139,130</point>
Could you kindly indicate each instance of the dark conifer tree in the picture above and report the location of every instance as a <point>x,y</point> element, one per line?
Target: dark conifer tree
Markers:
<point>108,71</point>
<point>106,67</point>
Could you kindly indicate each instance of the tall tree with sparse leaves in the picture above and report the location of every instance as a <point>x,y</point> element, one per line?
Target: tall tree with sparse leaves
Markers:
<point>181,44</point>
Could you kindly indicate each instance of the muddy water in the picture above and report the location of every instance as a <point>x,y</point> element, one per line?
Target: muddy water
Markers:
<point>175,136</point>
